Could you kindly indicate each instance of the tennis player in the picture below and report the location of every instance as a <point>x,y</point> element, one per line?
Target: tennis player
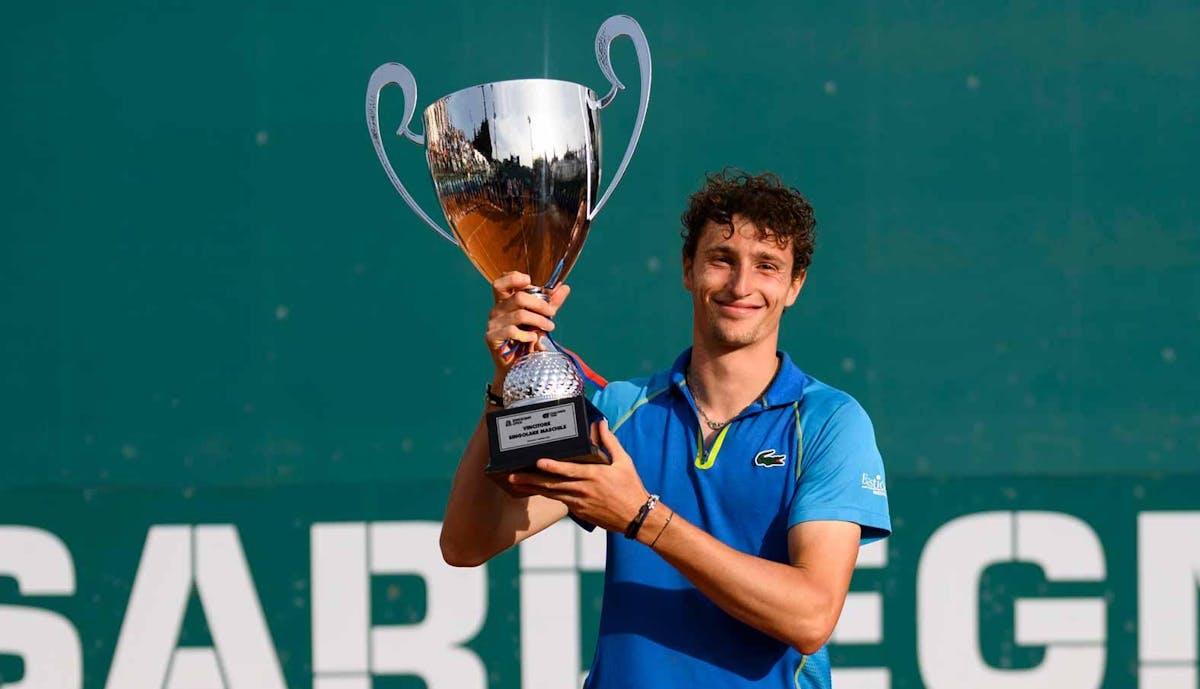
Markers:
<point>740,487</point>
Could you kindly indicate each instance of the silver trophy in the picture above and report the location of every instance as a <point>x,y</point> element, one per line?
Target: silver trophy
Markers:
<point>516,168</point>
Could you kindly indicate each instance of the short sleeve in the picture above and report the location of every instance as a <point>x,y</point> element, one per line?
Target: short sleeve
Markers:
<point>841,474</point>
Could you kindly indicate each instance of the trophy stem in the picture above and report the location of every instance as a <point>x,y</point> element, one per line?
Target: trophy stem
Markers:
<point>538,292</point>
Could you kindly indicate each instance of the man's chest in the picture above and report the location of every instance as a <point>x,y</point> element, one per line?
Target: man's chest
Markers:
<point>737,485</point>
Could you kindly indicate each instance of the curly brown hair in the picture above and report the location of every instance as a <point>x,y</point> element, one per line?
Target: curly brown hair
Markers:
<point>780,212</point>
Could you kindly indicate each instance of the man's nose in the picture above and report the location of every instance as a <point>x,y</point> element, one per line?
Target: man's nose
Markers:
<point>739,280</point>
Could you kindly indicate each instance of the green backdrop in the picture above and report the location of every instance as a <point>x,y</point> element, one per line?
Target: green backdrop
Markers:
<point>210,288</point>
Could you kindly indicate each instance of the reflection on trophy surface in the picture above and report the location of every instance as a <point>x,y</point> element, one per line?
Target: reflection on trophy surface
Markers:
<point>515,164</point>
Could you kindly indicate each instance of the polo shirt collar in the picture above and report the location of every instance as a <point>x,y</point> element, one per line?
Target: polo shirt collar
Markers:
<point>786,388</point>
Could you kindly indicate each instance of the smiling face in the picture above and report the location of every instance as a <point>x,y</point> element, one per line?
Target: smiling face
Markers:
<point>740,284</point>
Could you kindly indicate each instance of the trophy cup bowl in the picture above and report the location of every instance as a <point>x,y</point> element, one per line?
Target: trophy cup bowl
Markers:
<point>516,169</point>
<point>515,165</point>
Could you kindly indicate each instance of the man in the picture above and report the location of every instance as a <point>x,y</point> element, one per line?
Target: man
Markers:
<point>764,480</point>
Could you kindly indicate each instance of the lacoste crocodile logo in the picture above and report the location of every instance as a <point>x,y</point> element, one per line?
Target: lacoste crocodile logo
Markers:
<point>769,458</point>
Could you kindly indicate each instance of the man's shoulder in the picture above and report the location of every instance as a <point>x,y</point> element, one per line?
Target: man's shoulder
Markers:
<point>620,397</point>
<point>821,395</point>
<point>830,417</point>
<point>823,402</point>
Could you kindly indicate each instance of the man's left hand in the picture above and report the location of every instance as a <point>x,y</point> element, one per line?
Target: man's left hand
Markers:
<point>607,495</point>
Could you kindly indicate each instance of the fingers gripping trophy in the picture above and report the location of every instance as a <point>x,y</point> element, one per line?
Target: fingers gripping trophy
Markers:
<point>516,169</point>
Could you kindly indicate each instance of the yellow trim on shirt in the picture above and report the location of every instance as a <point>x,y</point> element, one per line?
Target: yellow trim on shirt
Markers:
<point>799,456</point>
<point>625,417</point>
<point>796,677</point>
<point>706,460</point>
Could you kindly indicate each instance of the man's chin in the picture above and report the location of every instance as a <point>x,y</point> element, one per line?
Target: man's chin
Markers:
<point>730,337</point>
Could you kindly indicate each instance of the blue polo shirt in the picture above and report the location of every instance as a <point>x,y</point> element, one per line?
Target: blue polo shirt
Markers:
<point>803,451</point>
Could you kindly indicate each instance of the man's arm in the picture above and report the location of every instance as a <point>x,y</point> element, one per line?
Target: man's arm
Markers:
<point>482,518</point>
<point>798,603</point>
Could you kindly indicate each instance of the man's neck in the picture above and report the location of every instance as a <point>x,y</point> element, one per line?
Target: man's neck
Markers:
<point>728,379</point>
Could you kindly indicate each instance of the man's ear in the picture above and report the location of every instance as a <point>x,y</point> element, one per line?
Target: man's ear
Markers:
<point>795,287</point>
<point>687,272</point>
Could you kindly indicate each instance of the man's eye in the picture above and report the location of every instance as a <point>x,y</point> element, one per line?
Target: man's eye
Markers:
<point>768,266</point>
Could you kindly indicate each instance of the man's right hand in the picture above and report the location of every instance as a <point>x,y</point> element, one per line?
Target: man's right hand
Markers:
<point>518,316</point>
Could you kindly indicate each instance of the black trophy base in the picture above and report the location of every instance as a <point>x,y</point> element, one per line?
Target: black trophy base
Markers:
<point>558,429</point>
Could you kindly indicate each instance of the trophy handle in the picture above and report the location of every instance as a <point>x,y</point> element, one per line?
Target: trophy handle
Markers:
<point>622,25</point>
<point>393,73</point>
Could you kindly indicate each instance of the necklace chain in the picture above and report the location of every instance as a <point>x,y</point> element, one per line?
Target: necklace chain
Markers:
<point>718,425</point>
<point>714,425</point>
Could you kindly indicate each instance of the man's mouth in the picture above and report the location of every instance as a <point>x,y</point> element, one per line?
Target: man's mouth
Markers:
<point>736,308</point>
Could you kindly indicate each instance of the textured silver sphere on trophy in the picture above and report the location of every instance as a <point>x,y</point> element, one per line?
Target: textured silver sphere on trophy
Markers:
<point>541,376</point>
